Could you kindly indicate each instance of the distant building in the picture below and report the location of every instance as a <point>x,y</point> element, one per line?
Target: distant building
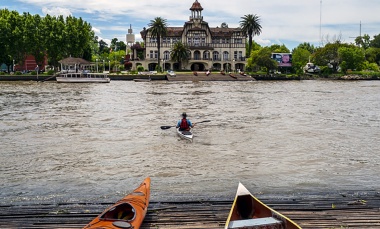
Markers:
<point>30,64</point>
<point>219,48</point>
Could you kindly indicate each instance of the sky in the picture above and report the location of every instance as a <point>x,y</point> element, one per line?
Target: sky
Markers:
<point>283,22</point>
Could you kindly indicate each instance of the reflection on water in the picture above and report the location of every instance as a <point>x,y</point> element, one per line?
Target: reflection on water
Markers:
<point>78,142</point>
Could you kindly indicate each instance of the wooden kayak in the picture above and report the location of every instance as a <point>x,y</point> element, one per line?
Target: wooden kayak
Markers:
<point>233,76</point>
<point>188,135</point>
<point>248,212</point>
<point>128,212</point>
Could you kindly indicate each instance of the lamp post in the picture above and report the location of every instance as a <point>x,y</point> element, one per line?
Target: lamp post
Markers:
<point>96,65</point>
<point>104,67</point>
<point>163,65</point>
<point>109,66</point>
<point>233,65</point>
<point>13,66</point>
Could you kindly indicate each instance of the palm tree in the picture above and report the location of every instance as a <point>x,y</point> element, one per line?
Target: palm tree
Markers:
<point>179,53</point>
<point>250,25</point>
<point>158,29</point>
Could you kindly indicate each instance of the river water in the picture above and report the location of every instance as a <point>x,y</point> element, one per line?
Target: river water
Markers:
<point>96,142</point>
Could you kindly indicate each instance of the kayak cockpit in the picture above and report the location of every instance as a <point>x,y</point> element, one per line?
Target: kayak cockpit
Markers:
<point>122,211</point>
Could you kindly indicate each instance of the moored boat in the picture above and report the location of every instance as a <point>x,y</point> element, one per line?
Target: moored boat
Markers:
<point>80,77</point>
<point>128,212</point>
<point>185,134</point>
<point>248,212</point>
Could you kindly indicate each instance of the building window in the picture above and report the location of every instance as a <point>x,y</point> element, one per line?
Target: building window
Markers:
<point>153,54</point>
<point>166,55</point>
<point>238,55</point>
<point>238,41</point>
<point>196,41</point>
<point>215,55</point>
<point>153,40</point>
<point>225,55</point>
<point>206,55</point>
<point>203,41</point>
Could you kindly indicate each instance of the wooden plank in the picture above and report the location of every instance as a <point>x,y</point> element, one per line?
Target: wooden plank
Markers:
<point>309,212</point>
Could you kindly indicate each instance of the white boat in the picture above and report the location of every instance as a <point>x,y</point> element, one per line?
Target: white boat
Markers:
<point>188,135</point>
<point>248,212</point>
<point>80,77</point>
<point>171,73</point>
<point>311,68</point>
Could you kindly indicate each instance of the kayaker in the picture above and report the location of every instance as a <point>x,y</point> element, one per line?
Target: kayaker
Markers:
<point>184,123</point>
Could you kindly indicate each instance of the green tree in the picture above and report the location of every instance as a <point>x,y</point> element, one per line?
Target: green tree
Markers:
<point>279,48</point>
<point>300,57</point>
<point>372,55</point>
<point>103,47</point>
<point>363,41</point>
<point>353,58</point>
<point>179,53</point>
<point>309,47</point>
<point>34,37</point>
<point>53,28</point>
<point>6,36</point>
<point>78,35</point>
<point>375,42</point>
<point>261,59</point>
<point>250,25</point>
<point>158,29</point>
<point>255,46</point>
<point>328,55</point>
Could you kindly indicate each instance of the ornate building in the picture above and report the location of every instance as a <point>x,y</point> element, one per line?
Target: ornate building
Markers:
<point>219,48</point>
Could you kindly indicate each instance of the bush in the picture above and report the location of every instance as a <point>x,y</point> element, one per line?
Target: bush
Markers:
<point>18,73</point>
<point>140,68</point>
<point>51,72</point>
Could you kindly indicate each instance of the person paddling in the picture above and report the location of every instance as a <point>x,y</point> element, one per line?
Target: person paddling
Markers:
<point>184,123</point>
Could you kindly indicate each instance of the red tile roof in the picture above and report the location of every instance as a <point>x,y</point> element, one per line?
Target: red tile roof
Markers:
<point>196,6</point>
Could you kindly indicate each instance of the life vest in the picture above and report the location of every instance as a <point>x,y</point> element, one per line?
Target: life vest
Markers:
<point>184,125</point>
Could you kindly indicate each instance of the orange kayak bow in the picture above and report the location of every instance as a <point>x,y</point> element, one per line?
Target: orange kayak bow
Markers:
<point>128,212</point>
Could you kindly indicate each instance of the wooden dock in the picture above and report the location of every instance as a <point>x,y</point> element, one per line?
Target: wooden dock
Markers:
<point>332,211</point>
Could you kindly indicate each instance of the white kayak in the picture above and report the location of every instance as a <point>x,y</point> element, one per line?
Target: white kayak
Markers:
<point>185,134</point>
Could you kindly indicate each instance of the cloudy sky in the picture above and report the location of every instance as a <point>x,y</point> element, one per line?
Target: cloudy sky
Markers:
<point>283,22</point>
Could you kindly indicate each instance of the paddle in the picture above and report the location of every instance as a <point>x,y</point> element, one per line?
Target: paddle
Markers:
<point>168,127</point>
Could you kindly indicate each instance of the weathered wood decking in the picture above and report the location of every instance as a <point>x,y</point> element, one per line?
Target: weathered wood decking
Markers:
<point>353,210</point>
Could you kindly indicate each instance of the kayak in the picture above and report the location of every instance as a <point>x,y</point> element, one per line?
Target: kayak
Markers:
<point>188,135</point>
<point>128,212</point>
<point>249,212</point>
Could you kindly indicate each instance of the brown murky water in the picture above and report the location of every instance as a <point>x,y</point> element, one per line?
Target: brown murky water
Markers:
<point>83,142</point>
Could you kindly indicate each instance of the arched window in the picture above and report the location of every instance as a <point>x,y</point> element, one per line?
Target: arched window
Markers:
<point>225,55</point>
<point>166,55</point>
<point>215,55</point>
<point>206,55</point>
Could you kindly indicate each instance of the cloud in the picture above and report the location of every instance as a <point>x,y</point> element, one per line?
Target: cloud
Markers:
<point>56,11</point>
<point>96,31</point>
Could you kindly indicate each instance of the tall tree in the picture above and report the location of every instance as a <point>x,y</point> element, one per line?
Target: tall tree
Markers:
<point>351,58</point>
<point>250,26</point>
<point>299,58</point>
<point>179,53</point>
<point>363,41</point>
<point>306,45</point>
<point>158,29</point>
<point>375,43</point>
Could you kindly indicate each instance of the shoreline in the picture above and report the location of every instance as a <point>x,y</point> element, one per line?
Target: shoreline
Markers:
<point>201,76</point>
